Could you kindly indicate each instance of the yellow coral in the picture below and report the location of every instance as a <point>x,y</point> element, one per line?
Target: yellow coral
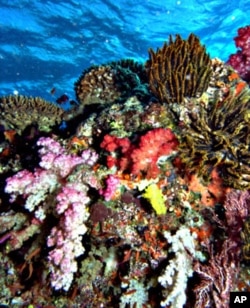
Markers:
<point>154,195</point>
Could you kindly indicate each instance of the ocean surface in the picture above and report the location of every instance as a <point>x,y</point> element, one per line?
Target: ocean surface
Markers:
<point>45,45</point>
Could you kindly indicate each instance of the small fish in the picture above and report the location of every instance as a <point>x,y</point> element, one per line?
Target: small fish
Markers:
<point>53,91</point>
<point>62,99</point>
<point>73,103</point>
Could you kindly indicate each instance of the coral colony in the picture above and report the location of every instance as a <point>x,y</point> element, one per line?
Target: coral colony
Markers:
<point>142,198</point>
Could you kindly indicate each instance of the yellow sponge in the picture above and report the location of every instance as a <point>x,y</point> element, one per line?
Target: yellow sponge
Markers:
<point>154,195</point>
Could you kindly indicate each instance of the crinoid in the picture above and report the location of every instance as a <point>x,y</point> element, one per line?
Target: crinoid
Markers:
<point>219,137</point>
<point>179,69</point>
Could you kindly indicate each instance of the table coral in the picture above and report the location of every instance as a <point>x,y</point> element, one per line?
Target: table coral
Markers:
<point>19,112</point>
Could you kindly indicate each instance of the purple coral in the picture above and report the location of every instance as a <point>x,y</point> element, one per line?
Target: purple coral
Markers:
<point>240,61</point>
<point>218,277</point>
<point>54,157</point>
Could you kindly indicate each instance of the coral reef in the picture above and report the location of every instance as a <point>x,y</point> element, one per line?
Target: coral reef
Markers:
<point>179,69</point>
<point>159,217</point>
<point>240,61</point>
<point>19,112</point>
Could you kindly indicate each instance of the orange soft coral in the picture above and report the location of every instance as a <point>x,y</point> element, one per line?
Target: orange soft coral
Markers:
<point>212,193</point>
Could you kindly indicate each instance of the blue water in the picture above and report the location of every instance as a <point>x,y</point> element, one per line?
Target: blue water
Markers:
<point>47,44</point>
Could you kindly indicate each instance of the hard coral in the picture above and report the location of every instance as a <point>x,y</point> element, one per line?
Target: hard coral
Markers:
<point>97,86</point>
<point>110,82</point>
<point>219,137</point>
<point>240,61</point>
<point>19,112</point>
<point>179,69</point>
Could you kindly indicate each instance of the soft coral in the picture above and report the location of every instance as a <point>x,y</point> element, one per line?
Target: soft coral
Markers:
<point>240,61</point>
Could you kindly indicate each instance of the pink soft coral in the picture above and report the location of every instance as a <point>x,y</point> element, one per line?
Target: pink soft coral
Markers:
<point>241,60</point>
<point>66,238</point>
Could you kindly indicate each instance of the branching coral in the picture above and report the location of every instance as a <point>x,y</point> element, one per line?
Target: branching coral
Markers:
<point>237,210</point>
<point>217,278</point>
<point>219,137</point>
<point>173,279</point>
<point>179,69</point>
<point>18,112</point>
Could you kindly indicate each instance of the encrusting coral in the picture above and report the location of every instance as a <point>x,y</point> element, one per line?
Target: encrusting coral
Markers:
<point>179,69</point>
<point>18,112</point>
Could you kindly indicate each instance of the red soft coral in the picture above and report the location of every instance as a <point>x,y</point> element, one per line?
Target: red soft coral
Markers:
<point>154,144</point>
<point>112,143</point>
<point>119,149</point>
<point>240,61</point>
